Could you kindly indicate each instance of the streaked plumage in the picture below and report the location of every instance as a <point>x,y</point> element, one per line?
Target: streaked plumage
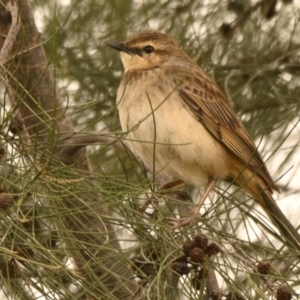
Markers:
<point>181,125</point>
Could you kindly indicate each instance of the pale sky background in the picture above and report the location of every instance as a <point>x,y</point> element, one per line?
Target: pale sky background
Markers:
<point>290,205</point>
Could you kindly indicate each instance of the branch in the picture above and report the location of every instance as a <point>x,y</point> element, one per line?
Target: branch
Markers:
<point>91,239</point>
<point>7,47</point>
<point>213,290</point>
<point>73,143</point>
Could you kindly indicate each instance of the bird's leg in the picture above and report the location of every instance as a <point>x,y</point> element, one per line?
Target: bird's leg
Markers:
<point>163,187</point>
<point>195,212</point>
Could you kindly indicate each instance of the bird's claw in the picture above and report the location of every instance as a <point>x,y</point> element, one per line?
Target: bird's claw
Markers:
<point>179,223</point>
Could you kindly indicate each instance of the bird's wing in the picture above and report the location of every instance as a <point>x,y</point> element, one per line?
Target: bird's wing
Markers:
<point>211,107</point>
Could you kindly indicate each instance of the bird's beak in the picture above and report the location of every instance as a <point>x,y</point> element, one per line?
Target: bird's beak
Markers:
<point>116,45</point>
<point>122,47</point>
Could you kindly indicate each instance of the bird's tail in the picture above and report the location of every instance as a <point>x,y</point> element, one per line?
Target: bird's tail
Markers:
<point>289,233</point>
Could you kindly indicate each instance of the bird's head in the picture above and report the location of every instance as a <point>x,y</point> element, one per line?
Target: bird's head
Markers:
<point>148,50</point>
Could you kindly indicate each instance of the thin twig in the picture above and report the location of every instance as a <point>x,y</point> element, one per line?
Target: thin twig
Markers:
<point>13,8</point>
<point>80,140</point>
<point>213,289</point>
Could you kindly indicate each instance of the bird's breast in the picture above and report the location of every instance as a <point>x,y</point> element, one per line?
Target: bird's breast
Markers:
<point>162,130</point>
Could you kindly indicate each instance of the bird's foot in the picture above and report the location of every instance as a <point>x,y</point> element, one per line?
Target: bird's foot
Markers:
<point>167,189</point>
<point>189,217</point>
<point>182,222</point>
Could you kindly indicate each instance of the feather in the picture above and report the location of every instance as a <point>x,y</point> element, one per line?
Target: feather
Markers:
<point>210,106</point>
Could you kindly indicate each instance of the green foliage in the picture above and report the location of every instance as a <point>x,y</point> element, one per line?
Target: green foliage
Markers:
<point>253,54</point>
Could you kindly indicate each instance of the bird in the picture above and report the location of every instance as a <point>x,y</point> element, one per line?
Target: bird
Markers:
<point>181,125</point>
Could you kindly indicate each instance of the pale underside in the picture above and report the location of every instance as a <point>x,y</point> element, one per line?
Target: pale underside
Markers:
<point>181,125</point>
<point>179,148</point>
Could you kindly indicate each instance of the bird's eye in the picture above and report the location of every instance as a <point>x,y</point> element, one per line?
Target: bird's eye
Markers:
<point>148,49</point>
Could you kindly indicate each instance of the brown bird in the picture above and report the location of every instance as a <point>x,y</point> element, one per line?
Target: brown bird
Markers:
<point>182,126</point>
